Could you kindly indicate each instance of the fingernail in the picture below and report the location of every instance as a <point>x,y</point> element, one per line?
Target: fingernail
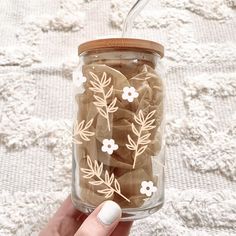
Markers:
<point>109,213</point>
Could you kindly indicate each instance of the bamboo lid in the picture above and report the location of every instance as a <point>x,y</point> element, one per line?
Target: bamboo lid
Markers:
<point>122,43</point>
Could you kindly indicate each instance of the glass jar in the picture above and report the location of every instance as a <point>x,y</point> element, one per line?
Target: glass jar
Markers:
<point>118,145</point>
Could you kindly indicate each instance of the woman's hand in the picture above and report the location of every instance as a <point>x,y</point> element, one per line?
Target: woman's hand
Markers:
<point>103,221</point>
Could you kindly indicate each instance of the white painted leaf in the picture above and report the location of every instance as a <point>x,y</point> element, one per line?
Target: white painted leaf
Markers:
<point>100,169</point>
<point>141,116</point>
<point>94,76</point>
<point>89,124</point>
<point>99,99</point>
<point>145,136</point>
<point>104,77</point>
<point>107,82</point>
<point>111,179</point>
<point>80,126</point>
<point>86,171</point>
<point>96,167</point>
<point>102,112</point>
<point>150,122</point>
<point>149,127</point>
<point>137,120</point>
<point>96,182</point>
<point>134,129</point>
<point>117,185</point>
<point>84,137</point>
<point>108,195</point>
<point>150,114</point>
<point>109,93</point>
<point>144,142</point>
<point>98,104</point>
<point>131,141</point>
<point>95,85</point>
<point>111,110</point>
<point>113,103</point>
<point>96,90</point>
<point>130,147</point>
<point>106,177</point>
<point>141,150</point>
<point>88,133</point>
<point>88,176</point>
<point>89,162</point>
<point>105,191</point>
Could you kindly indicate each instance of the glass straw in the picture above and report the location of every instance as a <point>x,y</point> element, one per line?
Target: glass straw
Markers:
<point>134,11</point>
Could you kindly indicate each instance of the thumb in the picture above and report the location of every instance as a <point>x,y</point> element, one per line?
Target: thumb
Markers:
<point>102,221</point>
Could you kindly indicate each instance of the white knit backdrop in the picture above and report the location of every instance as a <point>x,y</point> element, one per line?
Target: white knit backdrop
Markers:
<point>38,52</point>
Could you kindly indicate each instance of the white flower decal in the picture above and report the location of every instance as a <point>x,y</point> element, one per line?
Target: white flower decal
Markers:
<point>129,93</point>
<point>147,188</point>
<point>109,146</point>
<point>78,80</point>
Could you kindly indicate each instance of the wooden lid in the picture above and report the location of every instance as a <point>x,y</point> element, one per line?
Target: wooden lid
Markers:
<point>122,43</point>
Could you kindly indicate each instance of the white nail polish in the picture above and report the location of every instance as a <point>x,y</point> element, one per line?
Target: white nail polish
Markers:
<point>109,213</point>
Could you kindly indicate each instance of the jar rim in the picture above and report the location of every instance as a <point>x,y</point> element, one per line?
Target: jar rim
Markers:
<point>122,43</point>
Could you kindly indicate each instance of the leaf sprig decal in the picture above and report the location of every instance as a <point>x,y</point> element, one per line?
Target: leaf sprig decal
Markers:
<point>81,129</point>
<point>98,86</point>
<point>146,124</point>
<point>111,183</point>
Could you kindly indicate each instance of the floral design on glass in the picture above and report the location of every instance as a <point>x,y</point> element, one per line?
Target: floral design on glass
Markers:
<point>129,93</point>
<point>81,132</point>
<point>99,87</point>
<point>110,182</point>
<point>148,188</point>
<point>78,80</point>
<point>146,124</point>
<point>109,146</point>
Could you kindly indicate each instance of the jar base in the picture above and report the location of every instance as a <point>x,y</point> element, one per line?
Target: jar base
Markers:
<point>128,214</point>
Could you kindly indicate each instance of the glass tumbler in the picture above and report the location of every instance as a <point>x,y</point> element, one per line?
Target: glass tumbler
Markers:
<point>118,131</point>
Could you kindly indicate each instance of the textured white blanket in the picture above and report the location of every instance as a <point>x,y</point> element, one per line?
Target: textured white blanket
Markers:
<point>38,52</point>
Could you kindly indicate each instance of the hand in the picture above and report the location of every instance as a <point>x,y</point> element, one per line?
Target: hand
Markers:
<point>103,221</point>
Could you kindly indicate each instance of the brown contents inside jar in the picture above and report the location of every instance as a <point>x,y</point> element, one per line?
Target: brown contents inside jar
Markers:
<point>120,113</point>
